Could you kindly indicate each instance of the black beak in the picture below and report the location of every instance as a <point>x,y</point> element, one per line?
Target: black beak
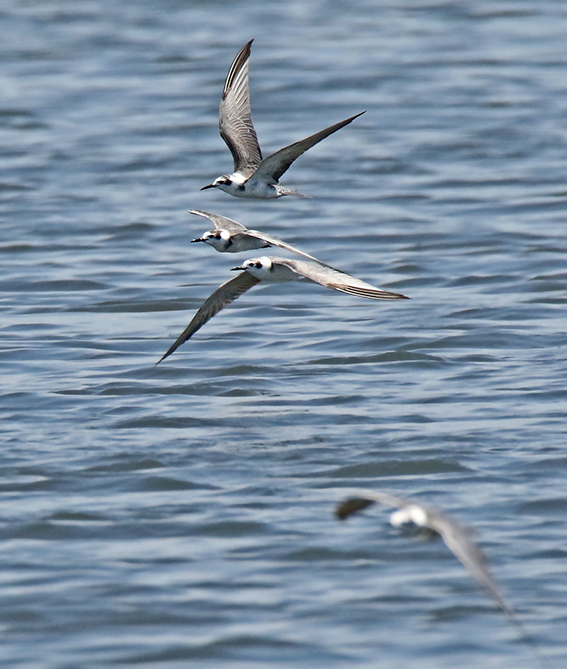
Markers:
<point>199,239</point>
<point>233,269</point>
<point>208,186</point>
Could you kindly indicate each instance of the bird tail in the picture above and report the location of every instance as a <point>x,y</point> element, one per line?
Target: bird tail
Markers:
<point>282,190</point>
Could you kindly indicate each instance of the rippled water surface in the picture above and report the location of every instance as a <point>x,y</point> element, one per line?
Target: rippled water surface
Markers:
<point>181,515</point>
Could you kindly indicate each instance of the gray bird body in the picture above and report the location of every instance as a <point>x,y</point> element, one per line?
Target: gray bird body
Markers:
<point>254,176</point>
<point>274,270</point>
<point>232,237</point>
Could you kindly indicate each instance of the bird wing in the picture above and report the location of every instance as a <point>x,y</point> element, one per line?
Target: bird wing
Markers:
<point>220,222</point>
<point>457,538</point>
<point>235,118</point>
<point>272,167</point>
<point>222,296</point>
<point>354,504</point>
<point>274,241</point>
<point>333,278</point>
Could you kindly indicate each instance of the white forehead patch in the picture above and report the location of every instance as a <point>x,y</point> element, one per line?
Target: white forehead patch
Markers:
<point>259,267</point>
<point>263,260</point>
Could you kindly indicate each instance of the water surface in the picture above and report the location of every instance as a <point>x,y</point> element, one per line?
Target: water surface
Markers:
<point>181,515</point>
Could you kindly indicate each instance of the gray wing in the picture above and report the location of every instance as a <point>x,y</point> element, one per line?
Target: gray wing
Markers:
<point>222,296</point>
<point>235,118</point>
<point>274,241</point>
<point>272,167</point>
<point>457,538</point>
<point>332,278</point>
<point>220,222</point>
<point>354,504</point>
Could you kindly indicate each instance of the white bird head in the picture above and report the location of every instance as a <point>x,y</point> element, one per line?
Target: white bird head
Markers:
<point>218,239</point>
<point>223,182</point>
<point>257,267</point>
<point>229,183</point>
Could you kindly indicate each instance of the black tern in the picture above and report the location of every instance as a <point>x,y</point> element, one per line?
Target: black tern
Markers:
<point>232,237</point>
<point>254,177</point>
<point>433,522</point>
<point>273,269</point>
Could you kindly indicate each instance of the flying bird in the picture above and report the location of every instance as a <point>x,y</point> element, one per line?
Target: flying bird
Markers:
<point>254,176</point>
<point>232,237</point>
<point>273,269</point>
<point>411,513</point>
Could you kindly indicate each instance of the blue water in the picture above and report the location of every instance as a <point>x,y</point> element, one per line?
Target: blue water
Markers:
<point>181,515</point>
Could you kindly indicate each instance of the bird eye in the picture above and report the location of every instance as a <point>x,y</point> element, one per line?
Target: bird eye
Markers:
<point>258,265</point>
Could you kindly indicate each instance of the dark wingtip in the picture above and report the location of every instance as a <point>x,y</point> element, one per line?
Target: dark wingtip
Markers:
<point>170,350</point>
<point>245,51</point>
<point>350,506</point>
<point>398,296</point>
<point>163,357</point>
<point>357,115</point>
<point>241,57</point>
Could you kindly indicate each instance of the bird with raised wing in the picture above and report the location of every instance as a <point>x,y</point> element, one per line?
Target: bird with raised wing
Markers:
<point>254,176</point>
<point>273,269</point>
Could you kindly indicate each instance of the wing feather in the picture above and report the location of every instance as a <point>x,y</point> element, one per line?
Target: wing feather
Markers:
<point>235,117</point>
<point>274,241</point>
<point>272,167</point>
<point>220,222</point>
<point>457,538</point>
<point>222,296</point>
<point>354,504</point>
<point>337,280</point>
<point>370,293</point>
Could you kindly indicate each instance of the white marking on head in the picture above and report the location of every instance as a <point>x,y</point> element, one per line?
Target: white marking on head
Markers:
<point>258,267</point>
<point>410,514</point>
<point>221,181</point>
<point>230,183</point>
<point>218,239</point>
